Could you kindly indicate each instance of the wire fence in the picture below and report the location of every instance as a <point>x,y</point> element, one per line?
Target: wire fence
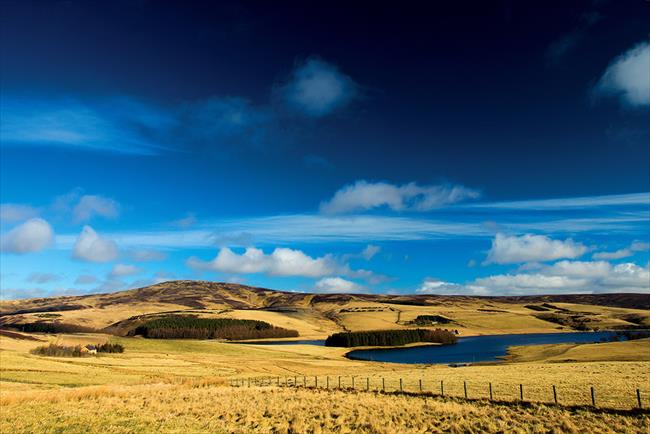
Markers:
<point>630,397</point>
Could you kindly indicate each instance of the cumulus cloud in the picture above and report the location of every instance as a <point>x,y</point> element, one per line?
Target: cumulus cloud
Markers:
<point>627,77</point>
<point>623,253</point>
<point>571,277</point>
<point>43,277</point>
<point>92,205</point>
<point>120,270</point>
<point>317,88</point>
<point>364,195</point>
<point>338,285</point>
<point>14,212</point>
<point>531,248</point>
<point>31,236</point>
<point>94,248</point>
<point>281,262</point>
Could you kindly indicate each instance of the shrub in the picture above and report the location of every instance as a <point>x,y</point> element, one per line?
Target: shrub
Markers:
<point>55,350</point>
<point>184,327</point>
<point>381,338</point>
<point>109,348</point>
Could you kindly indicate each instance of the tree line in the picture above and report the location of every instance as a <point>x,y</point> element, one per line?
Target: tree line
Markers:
<point>186,327</point>
<point>383,338</point>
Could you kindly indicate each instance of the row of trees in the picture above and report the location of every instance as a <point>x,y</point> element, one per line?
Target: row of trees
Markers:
<point>186,327</point>
<point>51,327</point>
<point>383,338</point>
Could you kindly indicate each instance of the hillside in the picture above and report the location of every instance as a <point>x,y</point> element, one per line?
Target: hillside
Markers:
<point>317,315</point>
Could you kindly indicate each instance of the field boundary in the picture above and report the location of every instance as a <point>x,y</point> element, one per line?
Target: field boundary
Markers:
<point>363,384</point>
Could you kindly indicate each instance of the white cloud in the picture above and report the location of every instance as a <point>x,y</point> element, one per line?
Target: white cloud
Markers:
<point>14,212</point>
<point>93,248</point>
<point>636,246</point>
<point>584,202</point>
<point>617,254</point>
<point>531,248</point>
<point>281,262</point>
<point>317,88</point>
<point>440,287</point>
<point>92,205</point>
<point>363,195</point>
<point>370,251</point>
<point>570,277</point>
<point>120,270</point>
<point>32,236</point>
<point>338,285</point>
<point>628,77</point>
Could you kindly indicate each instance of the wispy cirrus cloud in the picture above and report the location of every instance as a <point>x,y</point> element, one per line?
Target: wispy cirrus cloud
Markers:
<point>364,195</point>
<point>127,124</point>
<point>568,42</point>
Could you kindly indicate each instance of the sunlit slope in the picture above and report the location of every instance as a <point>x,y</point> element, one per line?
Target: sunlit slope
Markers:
<point>318,315</point>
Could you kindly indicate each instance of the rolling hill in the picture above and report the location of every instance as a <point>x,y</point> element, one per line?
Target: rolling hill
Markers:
<point>317,315</point>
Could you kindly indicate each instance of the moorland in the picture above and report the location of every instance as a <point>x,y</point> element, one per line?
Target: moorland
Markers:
<point>201,385</point>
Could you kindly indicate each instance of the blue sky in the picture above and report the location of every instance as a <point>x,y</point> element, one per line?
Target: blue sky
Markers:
<point>502,150</point>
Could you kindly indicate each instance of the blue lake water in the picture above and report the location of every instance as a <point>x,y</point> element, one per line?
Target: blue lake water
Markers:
<point>474,348</point>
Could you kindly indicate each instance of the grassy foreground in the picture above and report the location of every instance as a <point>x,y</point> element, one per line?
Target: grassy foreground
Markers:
<point>222,409</point>
<point>183,385</point>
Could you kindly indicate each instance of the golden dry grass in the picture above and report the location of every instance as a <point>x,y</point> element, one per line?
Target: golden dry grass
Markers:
<point>222,409</point>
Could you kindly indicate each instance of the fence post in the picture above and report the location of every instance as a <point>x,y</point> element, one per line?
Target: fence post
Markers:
<point>554,394</point>
<point>638,397</point>
<point>316,381</point>
<point>490,391</point>
<point>327,381</point>
<point>401,388</point>
<point>249,382</point>
<point>593,396</point>
<point>383,385</point>
<point>277,381</point>
<point>339,381</point>
<point>420,385</point>
<point>442,388</point>
<point>465,388</point>
<point>367,383</point>
<point>295,381</point>
<point>304,381</point>
<point>353,381</point>
<point>521,391</point>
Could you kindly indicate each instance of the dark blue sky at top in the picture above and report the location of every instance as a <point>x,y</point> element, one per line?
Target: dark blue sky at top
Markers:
<point>496,96</point>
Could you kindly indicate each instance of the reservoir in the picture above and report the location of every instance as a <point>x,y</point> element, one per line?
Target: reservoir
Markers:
<point>475,348</point>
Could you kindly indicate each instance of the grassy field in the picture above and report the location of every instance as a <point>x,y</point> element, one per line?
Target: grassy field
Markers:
<point>183,385</point>
<point>219,409</point>
<point>186,385</point>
